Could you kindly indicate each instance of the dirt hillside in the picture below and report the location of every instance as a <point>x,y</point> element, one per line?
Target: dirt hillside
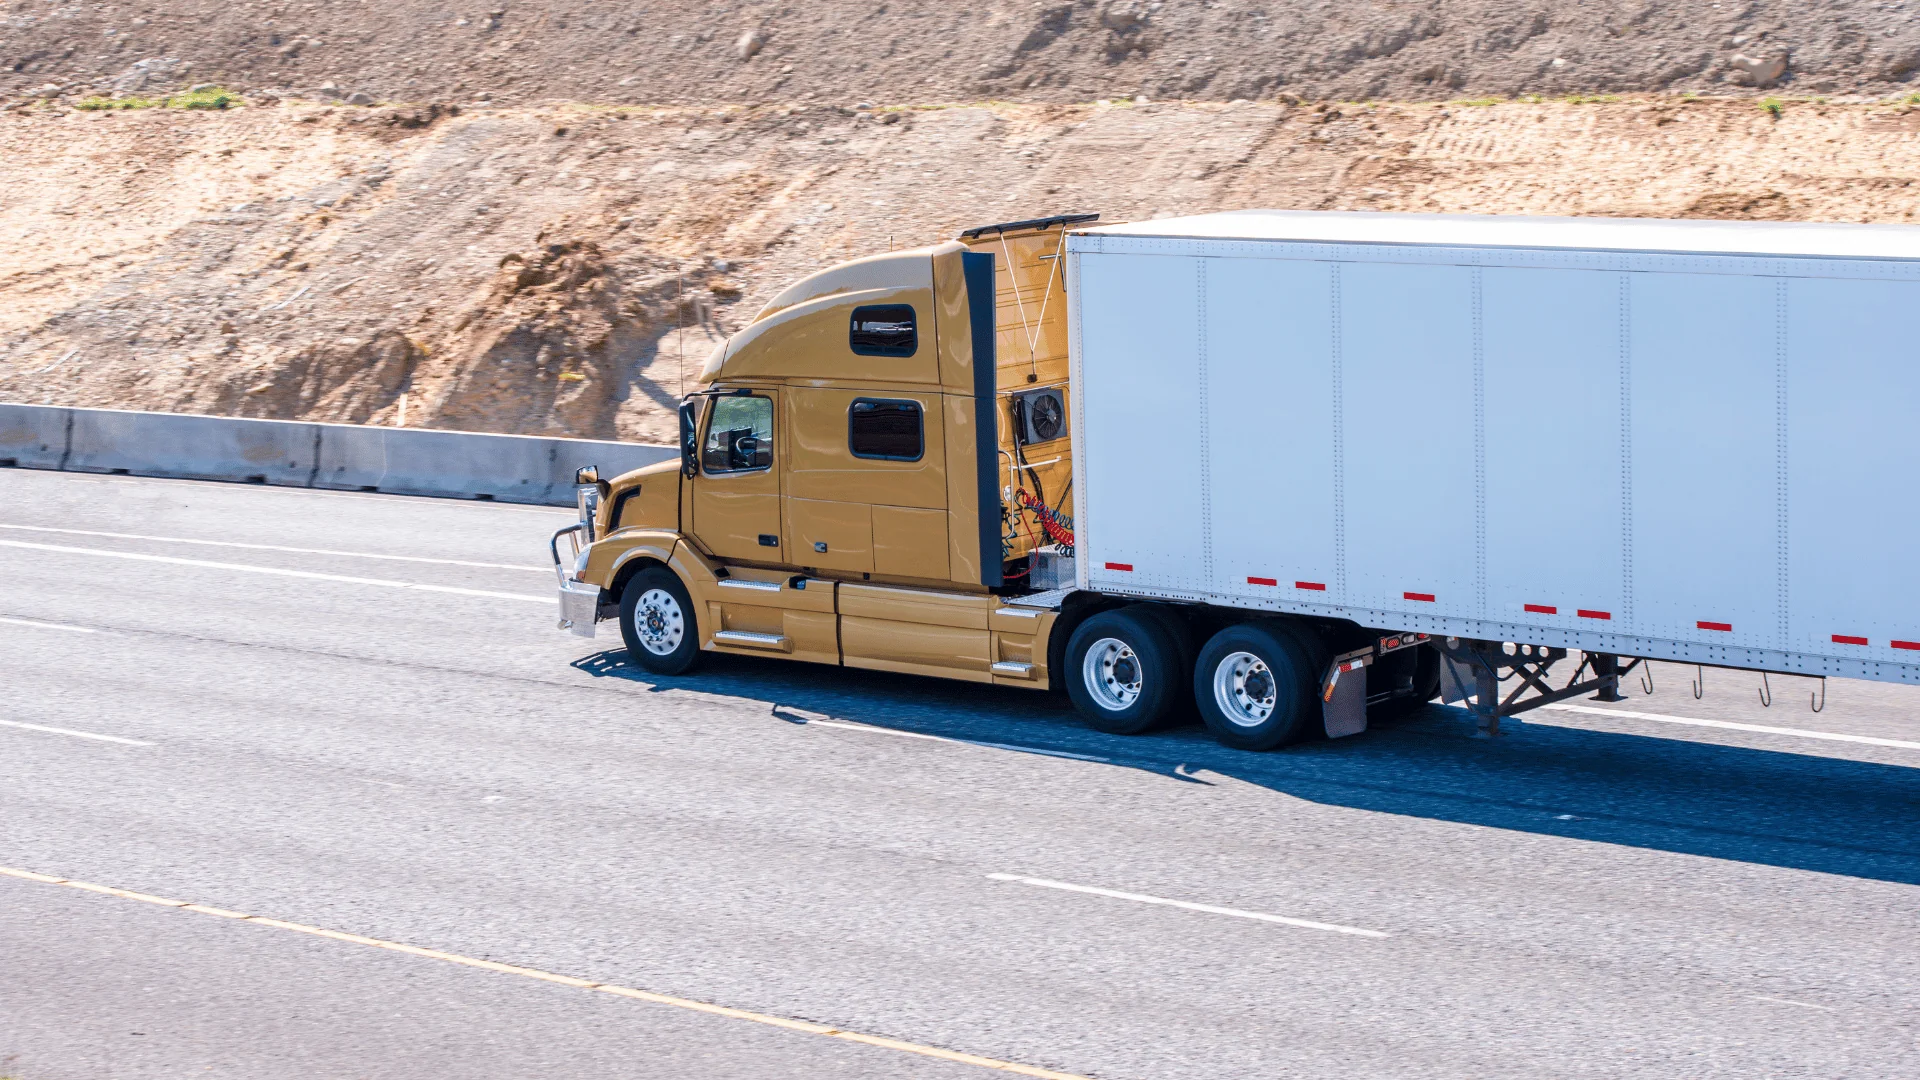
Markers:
<point>543,270</point>
<point>844,51</point>
<point>537,216</point>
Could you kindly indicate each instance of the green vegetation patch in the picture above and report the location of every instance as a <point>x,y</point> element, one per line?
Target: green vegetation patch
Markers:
<point>208,97</point>
<point>1773,106</point>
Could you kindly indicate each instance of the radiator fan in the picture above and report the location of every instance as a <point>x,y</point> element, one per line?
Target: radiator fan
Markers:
<point>1044,415</point>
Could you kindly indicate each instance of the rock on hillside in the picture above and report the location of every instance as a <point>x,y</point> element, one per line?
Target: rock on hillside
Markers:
<point>842,51</point>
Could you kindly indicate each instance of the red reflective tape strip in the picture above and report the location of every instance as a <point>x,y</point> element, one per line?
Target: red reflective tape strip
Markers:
<point>1723,627</point>
<point>1907,645</point>
<point>1848,639</point>
<point>1585,614</point>
<point>1423,597</point>
<point>1262,581</point>
<point>1313,586</point>
<point>1127,566</point>
<point>1542,609</point>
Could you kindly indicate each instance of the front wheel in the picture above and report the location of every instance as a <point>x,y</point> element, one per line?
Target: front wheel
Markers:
<point>1255,686</point>
<point>657,621</point>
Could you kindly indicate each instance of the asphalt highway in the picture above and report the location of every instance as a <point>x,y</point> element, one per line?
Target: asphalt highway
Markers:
<point>353,714</point>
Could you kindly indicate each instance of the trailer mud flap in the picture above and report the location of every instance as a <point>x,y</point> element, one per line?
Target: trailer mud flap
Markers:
<point>1344,711</point>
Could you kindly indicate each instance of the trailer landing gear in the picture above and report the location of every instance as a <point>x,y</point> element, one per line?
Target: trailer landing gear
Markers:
<point>1477,664</point>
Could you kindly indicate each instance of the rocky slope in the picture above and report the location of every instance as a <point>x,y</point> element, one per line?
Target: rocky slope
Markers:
<point>844,51</point>
<point>545,269</point>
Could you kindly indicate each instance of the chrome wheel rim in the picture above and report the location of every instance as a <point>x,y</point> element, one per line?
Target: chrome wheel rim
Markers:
<point>658,622</point>
<point>1111,674</point>
<point>1245,690</point>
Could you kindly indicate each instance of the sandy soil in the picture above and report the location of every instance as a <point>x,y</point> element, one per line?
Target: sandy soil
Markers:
<point>544,269</point>
<point>844,51</point>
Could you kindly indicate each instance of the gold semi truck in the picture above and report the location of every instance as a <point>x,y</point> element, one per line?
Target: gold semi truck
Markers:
<point>1290,470</point>
<point>876,472</point>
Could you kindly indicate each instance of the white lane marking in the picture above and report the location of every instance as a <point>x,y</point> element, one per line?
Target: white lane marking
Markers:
<point>76,734</point>
<point>385,583</point>
<point>277,547</point>
<point>819,720</point>
<point>1142,898</point>
<point>1728,725</point>
<point>788,1023</point>
<point>37,624</point>
<point>1796,1004</point>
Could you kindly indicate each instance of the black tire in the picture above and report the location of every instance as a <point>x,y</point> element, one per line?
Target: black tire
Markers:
<point>1424,660</point>
<point>650,624</point>
<point>1313,644</point>
<point>1180,632</point>
<point>1135,671</point>
<point>1267,714</point>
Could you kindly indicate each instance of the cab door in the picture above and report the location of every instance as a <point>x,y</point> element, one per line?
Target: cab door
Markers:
<point>736,496</point>
<point>866,482</point>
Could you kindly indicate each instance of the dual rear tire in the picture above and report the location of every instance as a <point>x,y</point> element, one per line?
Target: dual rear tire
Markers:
<point>1124,671</point>
<point>1132,670</point>
<point>1256,685</point>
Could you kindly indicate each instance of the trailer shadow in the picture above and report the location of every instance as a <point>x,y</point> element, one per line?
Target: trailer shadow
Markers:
<point>1801,811</point>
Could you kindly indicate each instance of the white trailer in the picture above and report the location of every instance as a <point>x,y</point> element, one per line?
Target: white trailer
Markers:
<point>1675,440</point>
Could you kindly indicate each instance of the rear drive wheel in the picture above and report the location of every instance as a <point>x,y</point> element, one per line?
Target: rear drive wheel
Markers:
<point>657,621</point>
<point>1254,685</point>
<point>1180,633</point>
<point>1123,671</point>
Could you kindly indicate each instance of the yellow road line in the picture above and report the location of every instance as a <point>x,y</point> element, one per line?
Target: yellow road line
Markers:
<point>564,980</point>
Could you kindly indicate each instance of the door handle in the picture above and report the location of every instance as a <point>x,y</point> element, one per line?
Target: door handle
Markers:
<point>769,540</point>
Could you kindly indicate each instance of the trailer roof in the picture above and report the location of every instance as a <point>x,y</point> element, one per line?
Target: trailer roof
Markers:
<point>1790,238</point>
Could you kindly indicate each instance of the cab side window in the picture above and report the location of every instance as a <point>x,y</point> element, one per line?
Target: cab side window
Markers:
<point>739,436</point>
<point>889,430</point>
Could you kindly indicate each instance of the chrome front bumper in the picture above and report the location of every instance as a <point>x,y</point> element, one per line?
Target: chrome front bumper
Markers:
<point>579,600</point>
<point>579,606</point>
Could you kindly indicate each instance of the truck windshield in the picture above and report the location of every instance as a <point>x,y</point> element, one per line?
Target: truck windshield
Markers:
<point>740,435</point>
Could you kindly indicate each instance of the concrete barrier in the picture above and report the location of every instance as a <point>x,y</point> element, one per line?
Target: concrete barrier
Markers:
<point>510,468</point>
<point>34,436</point>
<point>193,447</point>
<point>409,461</point>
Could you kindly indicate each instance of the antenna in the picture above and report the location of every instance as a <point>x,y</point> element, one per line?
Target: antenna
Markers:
<point>680,329</point>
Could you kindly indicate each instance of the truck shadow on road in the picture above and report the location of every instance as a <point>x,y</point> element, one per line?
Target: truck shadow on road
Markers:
<point>1802,811</point>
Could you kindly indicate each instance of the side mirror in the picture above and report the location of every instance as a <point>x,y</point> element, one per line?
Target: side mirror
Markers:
<point>689,439</point>
<point>587,475</point>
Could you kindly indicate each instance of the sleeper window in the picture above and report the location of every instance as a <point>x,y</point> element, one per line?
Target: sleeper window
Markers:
<point>883,330</point>
<point>891,430</point>
<point>740,435</point>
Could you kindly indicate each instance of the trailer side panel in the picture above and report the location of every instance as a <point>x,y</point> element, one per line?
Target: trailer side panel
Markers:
<point>1680,456</point>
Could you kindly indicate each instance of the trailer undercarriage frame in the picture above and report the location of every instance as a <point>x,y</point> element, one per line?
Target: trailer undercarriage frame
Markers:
<point>1529,664</point>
